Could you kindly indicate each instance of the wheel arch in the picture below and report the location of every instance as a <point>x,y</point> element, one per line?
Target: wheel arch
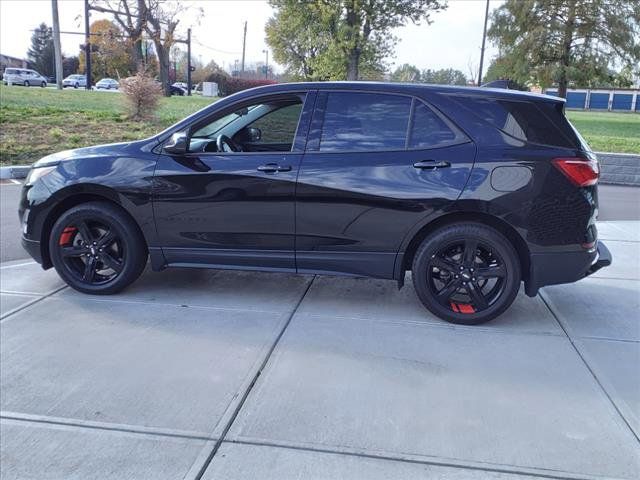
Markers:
<point>71,199</point>
<point>405,257</point>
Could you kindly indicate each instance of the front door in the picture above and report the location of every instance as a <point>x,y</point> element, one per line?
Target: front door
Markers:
<point>230,201</point>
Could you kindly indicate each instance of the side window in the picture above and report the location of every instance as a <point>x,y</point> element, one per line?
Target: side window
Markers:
<point>365,122</point>
<point>266,126</point>
<point>280,125</point>
<point>428,130</point>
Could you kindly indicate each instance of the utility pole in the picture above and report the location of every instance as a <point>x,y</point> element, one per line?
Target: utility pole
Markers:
<point>244,44</point>
<point>87,44</point>
<point>484,39</point>
<point>56,43</point>
<point>189,62</point>
<point>266,65</point>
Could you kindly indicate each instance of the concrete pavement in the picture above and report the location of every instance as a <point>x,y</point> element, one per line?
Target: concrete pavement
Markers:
<point>234,375</point>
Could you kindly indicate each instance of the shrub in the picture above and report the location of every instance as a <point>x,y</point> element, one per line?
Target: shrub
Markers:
<point>142,94</point>
<point>228,85</point>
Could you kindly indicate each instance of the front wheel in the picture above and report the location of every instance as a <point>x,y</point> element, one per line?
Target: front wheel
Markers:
<point>97,248</point>
<point>466,273</point>
<point>43,84</point>
<point>26,83</point>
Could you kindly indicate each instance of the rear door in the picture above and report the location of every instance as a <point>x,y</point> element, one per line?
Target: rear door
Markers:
<point>376,165</point>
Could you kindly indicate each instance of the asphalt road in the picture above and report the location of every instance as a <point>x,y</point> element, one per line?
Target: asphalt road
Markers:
<point>616,203</point>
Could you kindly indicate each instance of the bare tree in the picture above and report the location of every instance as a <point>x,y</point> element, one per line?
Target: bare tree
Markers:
<point>130,15</point>
<point>158,19</point>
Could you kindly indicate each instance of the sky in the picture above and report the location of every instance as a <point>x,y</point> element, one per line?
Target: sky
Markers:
<point>452,40</point>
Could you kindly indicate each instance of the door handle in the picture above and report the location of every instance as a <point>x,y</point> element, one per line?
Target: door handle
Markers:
<point>274,167</point>
<point>431,165</point>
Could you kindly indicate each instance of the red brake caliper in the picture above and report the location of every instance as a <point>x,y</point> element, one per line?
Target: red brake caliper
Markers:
<point>462,308</point>
<point>67,235</point>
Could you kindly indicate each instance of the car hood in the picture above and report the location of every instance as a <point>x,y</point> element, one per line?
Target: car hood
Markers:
<point>108,150</point>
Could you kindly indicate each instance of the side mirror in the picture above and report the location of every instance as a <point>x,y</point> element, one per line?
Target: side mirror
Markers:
<point>178,145</point>
<point>255,134</point>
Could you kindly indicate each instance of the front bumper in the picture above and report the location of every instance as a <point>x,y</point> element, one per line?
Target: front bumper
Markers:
<point>33,249</point>
<point>565,267</point>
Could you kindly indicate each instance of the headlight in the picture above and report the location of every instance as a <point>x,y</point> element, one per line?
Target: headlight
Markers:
<point>37,173</point>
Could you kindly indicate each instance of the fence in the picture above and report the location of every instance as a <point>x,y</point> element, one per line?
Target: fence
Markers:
<point>602,99</point>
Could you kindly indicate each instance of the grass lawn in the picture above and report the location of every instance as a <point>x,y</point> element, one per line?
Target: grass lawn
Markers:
<point>607,131</point>
<point>37,121</point>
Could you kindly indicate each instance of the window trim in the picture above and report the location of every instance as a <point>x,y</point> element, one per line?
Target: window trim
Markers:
<point>317,123</point>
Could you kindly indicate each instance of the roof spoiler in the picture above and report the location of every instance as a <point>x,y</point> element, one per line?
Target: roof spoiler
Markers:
<point>505,84</point>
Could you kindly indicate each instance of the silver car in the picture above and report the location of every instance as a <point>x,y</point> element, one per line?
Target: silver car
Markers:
<point>107,84</point>
<point>75,81</point>
<point>23,76</point>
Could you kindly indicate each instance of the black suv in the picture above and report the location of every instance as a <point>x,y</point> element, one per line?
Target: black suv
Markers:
<point>473,190</point>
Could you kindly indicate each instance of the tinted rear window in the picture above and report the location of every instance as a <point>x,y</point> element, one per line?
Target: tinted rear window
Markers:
<point>365,122</point>
<point>428,130</point>
<point>528,121</point>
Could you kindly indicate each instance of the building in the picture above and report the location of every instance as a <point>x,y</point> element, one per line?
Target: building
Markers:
<point>7,61</point>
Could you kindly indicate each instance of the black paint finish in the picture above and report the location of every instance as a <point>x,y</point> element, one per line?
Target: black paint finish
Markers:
<point>309,210</point>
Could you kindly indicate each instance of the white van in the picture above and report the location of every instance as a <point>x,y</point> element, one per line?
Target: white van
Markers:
<point>23,76</point>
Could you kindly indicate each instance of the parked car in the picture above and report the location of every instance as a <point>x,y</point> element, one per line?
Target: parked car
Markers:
<point>473,190</point>
<point>107,84</point>
<point>23,76</point>
<point>75,81</point>
<point>177,90</point>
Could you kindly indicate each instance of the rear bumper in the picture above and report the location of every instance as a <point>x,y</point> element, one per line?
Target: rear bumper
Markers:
<point>565,267</point>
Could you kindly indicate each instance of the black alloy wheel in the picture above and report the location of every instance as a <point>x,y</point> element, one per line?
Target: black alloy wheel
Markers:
<point>92,251</point>
<point>97,248</point>
<point>466,273</point>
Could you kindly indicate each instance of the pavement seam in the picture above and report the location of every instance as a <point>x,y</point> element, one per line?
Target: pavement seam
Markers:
<point>444,326</point>
<point>247,392</point>
<point>115,427</point>
<point>164,304</point>
<point>447,463</point>
<point>11,313</point>
<point>591,371</point>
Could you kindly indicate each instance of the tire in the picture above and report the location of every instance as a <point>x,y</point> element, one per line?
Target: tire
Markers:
<point>26,83</point>
<point>97,248</point>
<point>76,85</point>
<point>43,84</point>
<point>466,273</point>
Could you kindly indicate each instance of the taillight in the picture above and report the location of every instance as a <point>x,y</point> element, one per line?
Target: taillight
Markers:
<point>582,172</point>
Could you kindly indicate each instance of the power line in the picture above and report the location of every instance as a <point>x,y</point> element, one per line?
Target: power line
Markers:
<point>215,49</point>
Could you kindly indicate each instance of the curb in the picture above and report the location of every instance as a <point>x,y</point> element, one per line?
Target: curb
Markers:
<point>14,171</point>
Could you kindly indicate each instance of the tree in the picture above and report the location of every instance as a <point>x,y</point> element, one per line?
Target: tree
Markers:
<point>129,15</point>
<point>70,65</point>
<point>159,19</point>
<point>445,76</point>
<point>42,53</point>
<point>406,73</point>
<point>548,41</point>
<point>340,39</point>
<point>110,51</point>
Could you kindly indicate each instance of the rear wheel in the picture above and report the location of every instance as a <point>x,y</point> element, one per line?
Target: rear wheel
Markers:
<point>26,83</point>
<point>466,273</point>
<point>97,248</point>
